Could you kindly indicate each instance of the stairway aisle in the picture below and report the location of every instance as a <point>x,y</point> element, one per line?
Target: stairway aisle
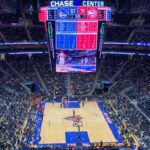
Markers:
<point>41,80</point>
<point>68,86</point>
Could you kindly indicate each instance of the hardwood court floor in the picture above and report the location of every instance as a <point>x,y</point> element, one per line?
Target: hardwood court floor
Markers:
<point>54,125</point>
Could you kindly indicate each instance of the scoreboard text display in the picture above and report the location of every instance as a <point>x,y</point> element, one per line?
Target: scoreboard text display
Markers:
<point>76,35</point>
<point>75,30</point>
<point>100,13</point>
<point>76,26</point>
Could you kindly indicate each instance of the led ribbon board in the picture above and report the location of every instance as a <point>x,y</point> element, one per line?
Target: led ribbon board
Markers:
<point>55,13</point>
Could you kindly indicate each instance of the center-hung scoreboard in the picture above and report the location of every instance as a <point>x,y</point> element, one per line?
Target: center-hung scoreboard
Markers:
<point>76,29</point>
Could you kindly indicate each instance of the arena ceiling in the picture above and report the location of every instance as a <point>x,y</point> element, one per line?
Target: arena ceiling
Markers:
<point>128,15</point>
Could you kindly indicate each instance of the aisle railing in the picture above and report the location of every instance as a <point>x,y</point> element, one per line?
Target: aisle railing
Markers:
<point>24,124</point>
<point>130,133</point>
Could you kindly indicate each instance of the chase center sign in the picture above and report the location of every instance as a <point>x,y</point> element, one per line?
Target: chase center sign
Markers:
<point>56,3</point>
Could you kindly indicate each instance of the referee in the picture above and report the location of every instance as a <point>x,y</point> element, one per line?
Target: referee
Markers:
<point>74,112</point>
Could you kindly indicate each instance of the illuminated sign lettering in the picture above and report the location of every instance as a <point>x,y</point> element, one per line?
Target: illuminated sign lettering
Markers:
<point>61,3</point>
<point>93,3</point>
<point>71,3</point>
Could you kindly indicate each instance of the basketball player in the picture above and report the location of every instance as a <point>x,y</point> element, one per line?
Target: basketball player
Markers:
<point>86,60</point>
<point>53,101</point>
<point>49,123</point>
<point>82,61</point>
<point>67,98</point>
<point>74,112</point>
<point>79,101</point>
<point>54,97</point>
<point>81,95</point>
<point>63,101</point>
<point>61,105</point>
<point>83,103</point>
<point>61,56</point>
<point>86,99</point>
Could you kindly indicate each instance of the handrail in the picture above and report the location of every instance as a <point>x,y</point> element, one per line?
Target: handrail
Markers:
<point>131,134</point>
<point>24,124</point>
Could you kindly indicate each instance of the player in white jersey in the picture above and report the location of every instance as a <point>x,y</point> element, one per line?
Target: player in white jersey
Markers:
<point>82,61</point>
<point>62,58</point>
<point>86,60</point>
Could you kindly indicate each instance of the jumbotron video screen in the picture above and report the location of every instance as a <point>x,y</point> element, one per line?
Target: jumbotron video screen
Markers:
<point>75,61</point>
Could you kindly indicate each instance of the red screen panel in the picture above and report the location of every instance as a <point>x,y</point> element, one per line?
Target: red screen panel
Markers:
<point>82,26</point>
<point>86,26</point>
<point>43,14</point>
<point>86,41</point>
<point>88,13</point>
<point>93,26</point>
<point>82,10</point>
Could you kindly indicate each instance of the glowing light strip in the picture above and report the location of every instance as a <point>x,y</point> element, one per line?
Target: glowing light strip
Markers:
<point>144,44</point>
<point>104,52</point>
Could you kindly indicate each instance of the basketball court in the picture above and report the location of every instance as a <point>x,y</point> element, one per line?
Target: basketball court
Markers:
<point>76,68</point>
<point>57,124</point>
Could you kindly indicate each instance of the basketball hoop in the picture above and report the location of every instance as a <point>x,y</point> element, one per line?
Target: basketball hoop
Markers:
<point>77,122</point>
<point>77,117</point>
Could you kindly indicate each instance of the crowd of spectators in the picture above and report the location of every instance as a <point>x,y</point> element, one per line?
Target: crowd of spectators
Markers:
<point>16,100</point>
<point>141,37</point>
<point>132,86</point>
<point>38,33</point>
<point>33,18</point>
<point>119,34</point>
<point>30,29</point>
<point>16,29</point>
<point>9,18</point>
<point>145,107</point>
<point>73,147</point>
<point>134,120</point>
<point>14,34</point>
<point>19,34</point>
<point>55,83</point>
<point>28,135</point>
<point>14,104</point>
<point>82,84</point>
<point>123,19</point>
<point>132,81</point>
<point>147,19</point>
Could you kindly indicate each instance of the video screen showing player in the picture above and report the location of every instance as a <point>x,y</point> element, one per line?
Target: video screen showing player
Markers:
<point>75,61</point>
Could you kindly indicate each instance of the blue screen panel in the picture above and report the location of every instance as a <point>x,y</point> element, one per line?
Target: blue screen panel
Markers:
<point>66,41</point>
<point>64,26</point>
<point>109,15</point>
<point>73,11</point>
